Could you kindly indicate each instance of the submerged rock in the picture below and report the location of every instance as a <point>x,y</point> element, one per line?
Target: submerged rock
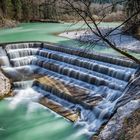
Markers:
<point>67,113</point>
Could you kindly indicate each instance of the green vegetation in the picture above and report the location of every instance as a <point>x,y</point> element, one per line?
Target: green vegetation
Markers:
<point>20,10</point>
<point>28,10</point>
<point>132,6</point>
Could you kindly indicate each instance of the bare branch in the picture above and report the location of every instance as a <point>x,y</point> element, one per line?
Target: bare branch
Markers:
<point>98,32</point>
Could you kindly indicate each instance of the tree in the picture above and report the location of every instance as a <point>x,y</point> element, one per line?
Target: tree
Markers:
<point>17,12</point>
<point>85,13</point>
<point>25,10</point>
<point>3,7</point>
<point>35,11</point>
<point>48,8</point>
<point>131,7</point>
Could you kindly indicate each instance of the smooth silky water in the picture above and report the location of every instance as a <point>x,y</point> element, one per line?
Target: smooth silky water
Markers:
<point>21,116</point>
<point>31,121</point>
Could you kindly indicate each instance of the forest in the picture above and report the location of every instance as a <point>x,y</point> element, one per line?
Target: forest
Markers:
<point>34,10</point>
<point>26,10</point>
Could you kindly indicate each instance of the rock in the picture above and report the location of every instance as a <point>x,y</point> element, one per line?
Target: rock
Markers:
<point>67,113</point>
<point>114,130</point>
<point>6,23</point>
<point>5,85</point>
<point>69,92</point>
<point>131,126</point>
<point>125,124</point>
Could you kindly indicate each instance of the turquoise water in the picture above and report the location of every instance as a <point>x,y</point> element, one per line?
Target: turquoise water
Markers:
<point>29,120</point>
<point>47,32</point>
<point>41,32</point>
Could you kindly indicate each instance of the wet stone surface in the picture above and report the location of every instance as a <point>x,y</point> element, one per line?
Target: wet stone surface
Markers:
<point>78,88</point>
<point>5,85</point>
<point>126,121</point>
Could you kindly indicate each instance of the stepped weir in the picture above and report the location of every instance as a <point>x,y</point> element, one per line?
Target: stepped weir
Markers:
<point>82,87</point>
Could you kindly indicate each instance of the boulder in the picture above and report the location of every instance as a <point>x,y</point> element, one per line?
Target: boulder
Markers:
<point>5,85</point>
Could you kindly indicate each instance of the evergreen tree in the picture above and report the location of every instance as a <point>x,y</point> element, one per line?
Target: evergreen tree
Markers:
<point>3,7</point>
<point>25,10</point>
<point>132,6</point>
<point>17,11</point>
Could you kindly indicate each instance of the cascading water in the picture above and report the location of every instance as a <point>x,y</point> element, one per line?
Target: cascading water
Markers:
<point>4,60</point>
<point>84,83</point>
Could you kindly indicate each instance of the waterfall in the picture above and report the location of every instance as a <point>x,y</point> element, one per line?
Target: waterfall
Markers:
<point>4,60</point>
<point>78,81</point>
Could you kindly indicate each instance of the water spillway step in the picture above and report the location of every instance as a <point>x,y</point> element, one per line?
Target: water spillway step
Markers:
<point>23,84</point>
<point>69,79</point>
<point>75,51</point>
<point>72,71</point>
<point>68,92</point>
<point>4,60</point>
<point>22,52</point>
<point>92,55</point>
<point>59,109</point>
<point>119,72</point>
<point>22,46</point>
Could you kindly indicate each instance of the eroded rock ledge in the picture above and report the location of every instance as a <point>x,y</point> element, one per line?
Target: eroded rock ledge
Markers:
<point>120,126</point>
<point>5,85</point>
<point>125,124</point>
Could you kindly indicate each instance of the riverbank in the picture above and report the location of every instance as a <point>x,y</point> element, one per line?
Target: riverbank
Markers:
<point>41,32</point>
<point>8,23</point>
<point>125,124</point>
<point>123,41</point>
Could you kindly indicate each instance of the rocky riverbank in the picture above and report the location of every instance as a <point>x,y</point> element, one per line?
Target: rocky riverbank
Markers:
<point>5,85</point>
<point>6,23</point>
<point>123,41</point>
<point>125,124</point>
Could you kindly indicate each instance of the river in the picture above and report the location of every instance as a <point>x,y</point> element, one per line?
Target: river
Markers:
<point>23,118</point>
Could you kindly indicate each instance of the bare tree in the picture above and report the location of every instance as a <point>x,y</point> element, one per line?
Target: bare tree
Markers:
<point>83,9</point>
<point>131,7</point>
